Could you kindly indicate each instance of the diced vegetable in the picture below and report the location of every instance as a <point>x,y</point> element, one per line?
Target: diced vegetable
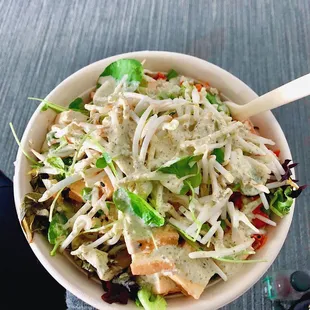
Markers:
<point>256,222</point>
<point>127,201</point>
<point>150,301</point>
<point>260,240</point>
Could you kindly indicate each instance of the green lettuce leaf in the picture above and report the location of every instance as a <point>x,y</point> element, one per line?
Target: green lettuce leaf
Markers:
<point>125,201</point>
<point>281,201</point>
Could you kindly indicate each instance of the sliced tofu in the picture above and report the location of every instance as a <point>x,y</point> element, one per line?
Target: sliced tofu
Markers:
<point>76,191</point>
<point>160,284</point>
<point>145,264</point>
<point>191,275</point>
<point>67,117</point>
<point>141,238</point>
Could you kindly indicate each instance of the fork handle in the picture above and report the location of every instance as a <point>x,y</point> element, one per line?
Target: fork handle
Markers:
<point>282,95</point>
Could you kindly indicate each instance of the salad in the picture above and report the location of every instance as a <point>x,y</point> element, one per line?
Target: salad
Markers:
<point>152,188</point>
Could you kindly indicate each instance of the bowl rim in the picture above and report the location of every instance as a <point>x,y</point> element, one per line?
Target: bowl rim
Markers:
<point>55,273</point>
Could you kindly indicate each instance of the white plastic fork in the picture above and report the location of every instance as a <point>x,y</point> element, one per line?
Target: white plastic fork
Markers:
<point>284,94</point>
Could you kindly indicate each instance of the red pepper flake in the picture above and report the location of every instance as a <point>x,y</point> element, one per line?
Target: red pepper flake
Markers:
<point>259,241</point>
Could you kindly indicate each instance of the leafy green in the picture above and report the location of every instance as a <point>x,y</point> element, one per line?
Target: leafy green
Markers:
<point>78,106</point>
<point>48,105</point>
<point>236,187</point>
<point>281,201</point>
<point>171,74</point>
<point>190,240</point>
<point>68,161</point>
<point>19,144</point>
<point>150,301</point>
<point>86,193</point>
<point>219,153</point>
<point>30,216</point>
<point>223,224</point>
<point>184,167</point>
<point>56,162</point>
<point>214,99</point>
<point>121,67</point>
<point>191,182</point>
<point>56,232</point>
<point>103,161</point>
<point>125,200</point>
<point>205,227</point>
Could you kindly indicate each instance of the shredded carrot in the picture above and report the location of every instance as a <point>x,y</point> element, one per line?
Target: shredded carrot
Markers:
<point>259,242</point>
<point>160,76</point>
<point>198,86</point>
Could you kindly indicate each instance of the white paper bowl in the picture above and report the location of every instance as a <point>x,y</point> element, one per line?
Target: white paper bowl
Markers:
<point>68,275</point>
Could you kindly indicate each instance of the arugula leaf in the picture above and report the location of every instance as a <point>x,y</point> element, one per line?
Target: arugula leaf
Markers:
<point>56,233</point>
<point>125,200</point>
<point>193,182</point>
<point>171,74</point>
<point>281,201</point>
<point>190,240</point>
<point>219,153</point>
<point>86,193</point>
<point>78,106</point>
<point>183,167</point>
<point>56,162</point>
<point>48,105</point>
<point>150,301</point>
<point>121,67</point>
